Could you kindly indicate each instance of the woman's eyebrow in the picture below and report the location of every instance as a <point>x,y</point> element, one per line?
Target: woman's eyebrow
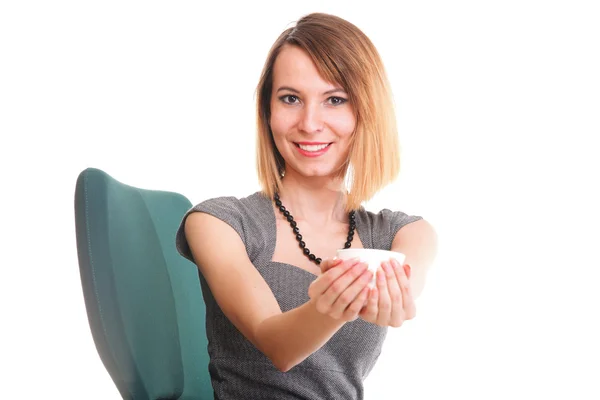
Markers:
<point>291,89</point>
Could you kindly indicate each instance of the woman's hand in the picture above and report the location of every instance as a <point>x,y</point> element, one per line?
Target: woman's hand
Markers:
<point>342,288</point>
<point>390,302</point>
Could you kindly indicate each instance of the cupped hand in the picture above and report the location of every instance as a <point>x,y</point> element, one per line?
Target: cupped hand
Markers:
<point>390,302</point>
<point>342,288</point>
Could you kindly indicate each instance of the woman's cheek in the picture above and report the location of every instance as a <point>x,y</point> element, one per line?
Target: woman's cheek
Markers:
<point>343,124</point>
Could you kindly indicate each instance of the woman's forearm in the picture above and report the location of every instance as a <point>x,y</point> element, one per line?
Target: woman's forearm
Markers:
<point>290,337</point>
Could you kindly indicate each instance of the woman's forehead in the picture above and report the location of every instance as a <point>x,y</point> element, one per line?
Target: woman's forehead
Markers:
<point>295,68</point>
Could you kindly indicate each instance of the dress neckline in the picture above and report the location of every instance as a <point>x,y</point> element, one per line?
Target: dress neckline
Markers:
<point>271,226</point>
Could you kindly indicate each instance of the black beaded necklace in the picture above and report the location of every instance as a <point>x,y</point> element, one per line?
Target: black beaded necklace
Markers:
<point>294,226</point>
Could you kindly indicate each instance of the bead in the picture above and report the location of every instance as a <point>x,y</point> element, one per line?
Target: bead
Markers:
<point>287,215</point>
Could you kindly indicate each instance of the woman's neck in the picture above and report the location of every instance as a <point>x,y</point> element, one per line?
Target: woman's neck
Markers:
<point>319,201</point>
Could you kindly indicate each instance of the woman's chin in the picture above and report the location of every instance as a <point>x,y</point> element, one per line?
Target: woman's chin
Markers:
<point>322,173</point>
<point>314,171</point>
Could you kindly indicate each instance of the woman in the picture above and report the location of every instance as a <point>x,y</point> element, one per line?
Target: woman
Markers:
<point>282,323</point>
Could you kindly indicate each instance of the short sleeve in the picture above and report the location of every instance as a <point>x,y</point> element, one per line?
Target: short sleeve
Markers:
<point>385,225</point>
<point>226,209</point>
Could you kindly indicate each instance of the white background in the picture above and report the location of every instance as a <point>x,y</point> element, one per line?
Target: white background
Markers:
<point>498,106</point>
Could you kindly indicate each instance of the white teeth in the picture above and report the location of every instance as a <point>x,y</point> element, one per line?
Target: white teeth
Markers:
<point>313,147</point>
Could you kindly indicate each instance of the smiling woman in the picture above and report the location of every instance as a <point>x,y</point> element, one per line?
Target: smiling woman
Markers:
<point>310,117</point>
<point>333,75</point>
<point>285,319</point>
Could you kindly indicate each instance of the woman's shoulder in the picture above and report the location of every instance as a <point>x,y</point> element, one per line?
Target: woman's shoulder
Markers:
<point>246,215</point>
<point>232,209</point>
<point>230,203</point>
<point>387,216</point>
<point>383,225</point>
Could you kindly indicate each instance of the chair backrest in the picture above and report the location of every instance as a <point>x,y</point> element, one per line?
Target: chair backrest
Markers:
<point>143,299</point>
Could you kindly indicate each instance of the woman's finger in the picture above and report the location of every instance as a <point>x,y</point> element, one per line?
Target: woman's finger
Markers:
<point>325,280</point>
<point>329,263</point>
<point>339,286</point>
<point>348,296</point>
<point>369,312</point>
<point>397,312</point>
<point>384,306</point>
<point>405,287</point>
<point>351,312</point>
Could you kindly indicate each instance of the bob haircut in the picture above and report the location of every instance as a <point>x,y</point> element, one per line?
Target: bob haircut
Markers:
<point>343,55</point>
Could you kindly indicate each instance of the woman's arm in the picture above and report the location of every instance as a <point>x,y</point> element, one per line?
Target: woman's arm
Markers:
<point>418,241</point>
<point>246,299</point>
<point>391,302</point>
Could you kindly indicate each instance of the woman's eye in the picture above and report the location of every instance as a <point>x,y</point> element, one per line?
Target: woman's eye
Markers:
<point>289,99</point>
<point>336,101</point>
<point>292,99</point>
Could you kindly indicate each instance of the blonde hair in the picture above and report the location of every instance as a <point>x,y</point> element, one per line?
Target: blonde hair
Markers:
<point>343,55</point>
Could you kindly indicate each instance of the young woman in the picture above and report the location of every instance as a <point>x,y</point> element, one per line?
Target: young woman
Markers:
<point>285,319</point>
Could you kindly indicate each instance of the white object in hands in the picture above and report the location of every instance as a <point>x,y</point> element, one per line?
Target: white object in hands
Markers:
<point>373,257</point>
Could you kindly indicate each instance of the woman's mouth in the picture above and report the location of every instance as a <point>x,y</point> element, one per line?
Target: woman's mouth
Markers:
<point>312,149</point>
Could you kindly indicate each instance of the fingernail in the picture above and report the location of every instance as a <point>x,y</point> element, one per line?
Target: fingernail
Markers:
<point>386,267</point>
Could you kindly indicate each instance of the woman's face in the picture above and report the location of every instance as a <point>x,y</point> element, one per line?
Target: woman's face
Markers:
<point>311,119</point>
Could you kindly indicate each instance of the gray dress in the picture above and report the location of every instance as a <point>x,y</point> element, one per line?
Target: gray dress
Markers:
<point>238,369</point>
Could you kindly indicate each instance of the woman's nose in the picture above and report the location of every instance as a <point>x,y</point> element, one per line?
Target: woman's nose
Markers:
<point>311,120</point>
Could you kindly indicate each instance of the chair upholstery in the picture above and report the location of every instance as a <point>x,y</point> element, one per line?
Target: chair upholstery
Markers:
<point>143,300</point>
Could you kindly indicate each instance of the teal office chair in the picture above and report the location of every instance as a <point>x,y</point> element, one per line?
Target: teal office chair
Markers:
<point>143,299</point>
